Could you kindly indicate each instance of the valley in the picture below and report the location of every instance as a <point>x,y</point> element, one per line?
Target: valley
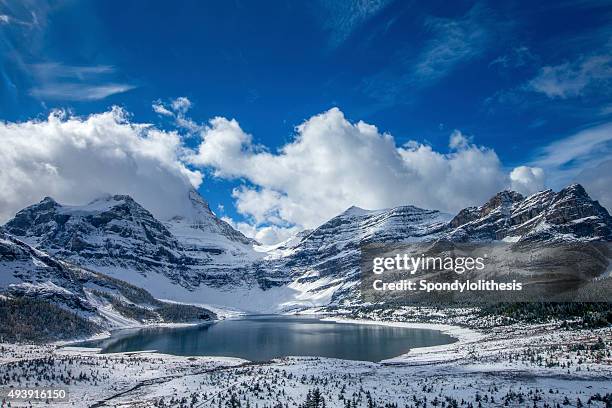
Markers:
<point>75,272</point>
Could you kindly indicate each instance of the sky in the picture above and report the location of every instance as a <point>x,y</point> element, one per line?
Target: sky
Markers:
<point>285,113</point>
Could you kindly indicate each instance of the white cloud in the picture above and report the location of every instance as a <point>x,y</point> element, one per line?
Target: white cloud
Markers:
<point>4,19</point>
<point>266,235</point>
<point>53,70</point>
<point>569,80</point>
<point>341,18</point>
<point>177,109</point>
<point>333,164</point>
<point>453,41</point>
<point>575,158</point>
<point>75,83</point>
<point>591,144</point>
<point>78,92</point>
<point>527,180</point>
<point>160,109</point>
<point>181,104</point>
<point>458,140</point>
<point>78,159</point>
<point>330,165</point>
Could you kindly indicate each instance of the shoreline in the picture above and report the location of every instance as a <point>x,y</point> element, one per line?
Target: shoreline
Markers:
<point>535,358</point>
<point>464,336</point>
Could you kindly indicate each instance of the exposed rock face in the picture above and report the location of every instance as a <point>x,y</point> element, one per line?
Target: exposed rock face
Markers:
<point>116,233</point>
<point>321,265</point>
<point>110,231</point>
<point>107,302</point>
<point>569,214</point>
<point>324,265</point>
<point>500,205</point>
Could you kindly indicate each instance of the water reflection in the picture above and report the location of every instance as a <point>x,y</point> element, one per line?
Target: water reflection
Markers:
<point>260,338</point>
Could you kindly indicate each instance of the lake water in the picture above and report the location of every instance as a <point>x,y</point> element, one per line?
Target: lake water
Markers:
<point>260,338</point>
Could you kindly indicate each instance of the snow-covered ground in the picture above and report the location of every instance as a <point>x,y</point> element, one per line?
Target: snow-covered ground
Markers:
<point>517,365</point>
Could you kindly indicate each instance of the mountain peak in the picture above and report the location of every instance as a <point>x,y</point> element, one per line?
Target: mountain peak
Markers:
<point>48,199</point>
<point>505,197</point>
<point>197,199</point>
<point>575,190</point>
<point>354,211</point>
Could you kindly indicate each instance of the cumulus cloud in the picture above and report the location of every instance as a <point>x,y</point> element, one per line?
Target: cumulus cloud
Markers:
<point>267,234</point>
<point>527,180</point>
<point>76,160</point>
<point>332,164</point>
<point>177,109</point>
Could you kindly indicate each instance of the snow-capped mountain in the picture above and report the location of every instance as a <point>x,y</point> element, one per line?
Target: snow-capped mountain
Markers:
<point>198,258</point>
<point>192,257</point>
<point>112,231</point>
<point>324,264</point>
<point>115,233</point>
<point>26,272</point>
<point>216,251</point>
<point>546,216</point>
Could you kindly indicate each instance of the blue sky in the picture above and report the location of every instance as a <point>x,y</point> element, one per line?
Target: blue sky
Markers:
<point>517,77</point>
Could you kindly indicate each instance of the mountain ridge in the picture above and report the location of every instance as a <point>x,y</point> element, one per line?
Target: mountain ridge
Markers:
<point>316,267</point>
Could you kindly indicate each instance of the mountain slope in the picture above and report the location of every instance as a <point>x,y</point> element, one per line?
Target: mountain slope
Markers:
<point>116,235</point>
<point>219,254</point>
<point>110,231</point>
<point>193,257</point>
<point>546,216</point>
<point>324,264</point>
<point>197,258</point>
<point>104,302</point>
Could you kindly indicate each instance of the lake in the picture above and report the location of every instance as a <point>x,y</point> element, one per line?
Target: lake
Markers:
<point>260,338</point>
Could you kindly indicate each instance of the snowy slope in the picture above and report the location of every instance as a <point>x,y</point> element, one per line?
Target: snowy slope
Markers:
<point>198,258</point>
<point>107,302</point>
<point>220,254</point>
<point>569,215</point>
<point>119,236</point>
<point>194,257</point>
<point>324,263</point>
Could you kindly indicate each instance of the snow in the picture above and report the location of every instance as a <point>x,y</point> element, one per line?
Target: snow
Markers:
<point>504,366</point>
<point>240,297</point>
<point>40,287</point>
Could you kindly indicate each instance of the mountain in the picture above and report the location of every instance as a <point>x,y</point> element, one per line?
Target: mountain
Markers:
<point>324,264</point>
<point>196,257</point>
<point>546,216</point>
<point>116,235</point>
<point>92,300</point>
<point>218,254</point>
<point>111,231</point>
